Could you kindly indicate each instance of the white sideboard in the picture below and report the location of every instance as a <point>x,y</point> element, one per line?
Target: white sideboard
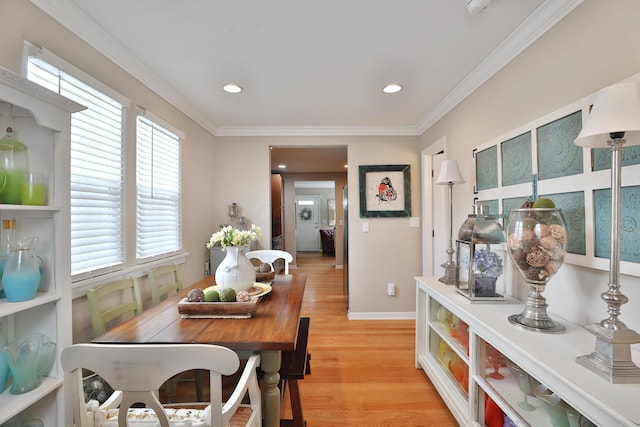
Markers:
<point>461,374</point>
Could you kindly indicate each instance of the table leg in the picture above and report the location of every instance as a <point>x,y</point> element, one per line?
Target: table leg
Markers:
<point>270,365</point>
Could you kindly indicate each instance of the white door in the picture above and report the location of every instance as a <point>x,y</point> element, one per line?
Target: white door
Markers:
<point>308,223</point>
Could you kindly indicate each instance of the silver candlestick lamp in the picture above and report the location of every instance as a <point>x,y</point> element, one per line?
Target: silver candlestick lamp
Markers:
<point>615,114</point>
<point>449,175</point>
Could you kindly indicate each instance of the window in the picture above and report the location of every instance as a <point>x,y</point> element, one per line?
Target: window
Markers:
<point>158,189</point>
<point>97,165</point>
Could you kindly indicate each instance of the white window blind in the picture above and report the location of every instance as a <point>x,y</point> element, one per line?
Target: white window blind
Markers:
<point>158,189</point>
<point>97,172</point>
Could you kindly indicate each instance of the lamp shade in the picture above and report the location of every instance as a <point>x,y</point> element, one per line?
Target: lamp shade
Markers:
<point>449,173</point>
<point>615,109</point>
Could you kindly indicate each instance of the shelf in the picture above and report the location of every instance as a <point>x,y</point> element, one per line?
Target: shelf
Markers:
<point>13,404</point>
<point>452,342</point>
<point>550,358</point>
<point>41,298</point>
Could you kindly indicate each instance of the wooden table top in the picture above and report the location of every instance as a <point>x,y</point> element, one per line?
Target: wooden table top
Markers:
<point>274,326</point>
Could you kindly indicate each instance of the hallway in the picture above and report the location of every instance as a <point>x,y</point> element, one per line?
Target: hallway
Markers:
<point>362,372</point>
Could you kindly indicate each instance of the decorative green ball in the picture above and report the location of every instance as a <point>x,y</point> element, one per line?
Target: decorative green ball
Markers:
<point>544,203</point>
<point>211,295</point>
<point>227,295</point>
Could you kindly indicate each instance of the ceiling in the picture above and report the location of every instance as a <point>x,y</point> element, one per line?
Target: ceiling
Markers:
<point>310,67</point>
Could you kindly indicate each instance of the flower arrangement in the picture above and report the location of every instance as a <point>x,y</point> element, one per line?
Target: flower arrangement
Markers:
<point>488,263</point>
<point>231,236</point>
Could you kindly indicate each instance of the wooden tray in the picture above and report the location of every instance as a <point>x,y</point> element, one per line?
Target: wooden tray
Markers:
<point>212,310</point>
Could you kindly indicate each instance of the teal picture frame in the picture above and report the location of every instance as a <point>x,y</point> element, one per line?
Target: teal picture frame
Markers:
<point>385,191</point>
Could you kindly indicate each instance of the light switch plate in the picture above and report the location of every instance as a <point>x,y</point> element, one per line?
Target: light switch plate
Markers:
<point>365,227</point>
<point>414,221</point>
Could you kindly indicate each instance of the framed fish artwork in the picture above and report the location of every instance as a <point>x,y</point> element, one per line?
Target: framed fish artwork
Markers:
<point>385,191</point>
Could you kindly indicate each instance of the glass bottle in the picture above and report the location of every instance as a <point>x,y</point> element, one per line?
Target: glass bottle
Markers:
<point>21,275</point>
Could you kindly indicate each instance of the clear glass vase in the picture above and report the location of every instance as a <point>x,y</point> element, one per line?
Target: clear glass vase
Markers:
<point>537,242</point>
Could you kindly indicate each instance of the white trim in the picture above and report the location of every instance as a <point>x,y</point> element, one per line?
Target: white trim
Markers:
<point>79,289</point>
<point>76,72</point>
<point>428,203</point>
<point>374,315</point>
<point>319,131</point>
<point>539,22</point>
<point>159,121</point>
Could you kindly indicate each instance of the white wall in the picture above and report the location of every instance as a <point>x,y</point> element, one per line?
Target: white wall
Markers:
<point>595,46</point>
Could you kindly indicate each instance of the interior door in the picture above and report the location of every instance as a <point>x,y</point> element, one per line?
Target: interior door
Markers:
<point>307,223</point>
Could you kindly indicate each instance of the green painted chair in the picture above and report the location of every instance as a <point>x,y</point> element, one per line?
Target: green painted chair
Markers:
<point>106,306</point>
<point>165,280</point>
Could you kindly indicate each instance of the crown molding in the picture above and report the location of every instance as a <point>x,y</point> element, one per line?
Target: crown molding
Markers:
<point>72,17</point>
<point>68,14</point>
<point>539,22</point>
<point>318,131</point>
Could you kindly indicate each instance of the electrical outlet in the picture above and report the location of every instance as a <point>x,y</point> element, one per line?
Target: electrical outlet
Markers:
<point>391,289</point>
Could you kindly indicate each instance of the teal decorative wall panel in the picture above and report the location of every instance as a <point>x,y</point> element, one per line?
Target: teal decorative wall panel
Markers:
<point>512,203</point>
<point>493,206</point>
<point>557,154</point>
<point>601,159</point>
<point>629,217</point>
<point>572,205</point>
<point>516,160</point>
<point>487,168</point>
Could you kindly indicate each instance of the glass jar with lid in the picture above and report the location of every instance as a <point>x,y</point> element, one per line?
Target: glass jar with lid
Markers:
<point>13,166</point>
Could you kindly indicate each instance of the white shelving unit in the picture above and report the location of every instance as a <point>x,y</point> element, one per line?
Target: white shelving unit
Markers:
<point>549,358</point>
<point>41,120</point>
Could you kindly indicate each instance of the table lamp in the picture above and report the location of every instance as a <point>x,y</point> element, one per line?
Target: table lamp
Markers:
<point>449,175</point>
<point>613,121</point>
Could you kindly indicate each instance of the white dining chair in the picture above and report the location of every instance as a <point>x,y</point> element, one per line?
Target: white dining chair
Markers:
<point>136,372</point>
<point>269,256</point>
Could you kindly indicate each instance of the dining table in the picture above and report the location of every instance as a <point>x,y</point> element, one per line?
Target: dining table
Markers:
<point>272,329</point>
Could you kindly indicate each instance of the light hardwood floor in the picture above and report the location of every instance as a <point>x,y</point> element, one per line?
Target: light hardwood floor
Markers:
<point>362,371</point>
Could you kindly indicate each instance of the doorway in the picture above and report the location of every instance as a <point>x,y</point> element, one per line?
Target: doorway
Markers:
<point>307,223</point>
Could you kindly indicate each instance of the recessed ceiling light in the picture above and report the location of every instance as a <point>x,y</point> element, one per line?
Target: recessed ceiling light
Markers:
<point>232,88</point>
<point>392,88</point>
<point>282,166</point>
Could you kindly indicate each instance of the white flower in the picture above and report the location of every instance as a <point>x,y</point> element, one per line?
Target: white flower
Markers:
<point>230,236</point>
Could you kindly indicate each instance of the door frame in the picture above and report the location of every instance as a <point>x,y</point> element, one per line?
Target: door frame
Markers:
<point>427,204</point>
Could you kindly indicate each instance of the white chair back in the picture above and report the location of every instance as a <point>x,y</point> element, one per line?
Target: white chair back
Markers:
<point>138,371</point>
<point>270,256</point>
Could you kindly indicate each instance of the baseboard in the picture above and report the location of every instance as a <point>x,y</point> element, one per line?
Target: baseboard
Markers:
<point>399,315</point>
